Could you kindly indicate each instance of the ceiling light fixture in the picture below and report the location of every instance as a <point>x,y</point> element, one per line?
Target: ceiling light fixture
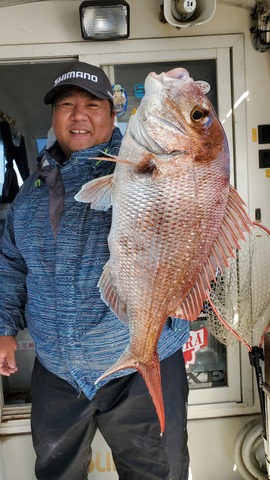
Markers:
<point>104,20</point>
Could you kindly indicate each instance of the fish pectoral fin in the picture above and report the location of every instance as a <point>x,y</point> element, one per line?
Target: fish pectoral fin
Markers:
<point>109,294</point>
<point>235,223</point>
<point>98,192</point>
<point>148,166</point>
<point>150,372</point>
<point>114,158</point>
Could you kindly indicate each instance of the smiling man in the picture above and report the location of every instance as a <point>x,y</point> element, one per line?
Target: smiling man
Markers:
<point>53,254</point>
<point>83,114</point>
<point>81,120</point>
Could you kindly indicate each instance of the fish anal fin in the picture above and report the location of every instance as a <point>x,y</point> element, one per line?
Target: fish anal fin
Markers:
<point>192,306</point>
<point>109,295</point>
<point>98,192</point>
<point>150,372</point>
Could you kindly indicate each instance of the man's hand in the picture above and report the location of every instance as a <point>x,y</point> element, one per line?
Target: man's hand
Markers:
<point>8,345</point>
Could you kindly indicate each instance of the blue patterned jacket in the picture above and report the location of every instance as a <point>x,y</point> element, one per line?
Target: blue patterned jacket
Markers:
<point>53,252</point>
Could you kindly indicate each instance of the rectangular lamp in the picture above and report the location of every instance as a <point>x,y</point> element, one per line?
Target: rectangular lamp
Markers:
<point>104,20</point>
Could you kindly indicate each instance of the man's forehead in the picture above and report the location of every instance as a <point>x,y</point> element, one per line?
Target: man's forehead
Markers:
<point>73,91</point>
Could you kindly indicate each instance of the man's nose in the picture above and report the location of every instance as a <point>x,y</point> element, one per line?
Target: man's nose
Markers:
<point>79,111</point>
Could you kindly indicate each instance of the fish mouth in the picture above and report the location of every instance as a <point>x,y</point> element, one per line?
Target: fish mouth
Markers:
<point>154,82</point>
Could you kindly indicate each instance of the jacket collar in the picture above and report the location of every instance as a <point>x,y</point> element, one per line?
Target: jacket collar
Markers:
<point>54,156</point>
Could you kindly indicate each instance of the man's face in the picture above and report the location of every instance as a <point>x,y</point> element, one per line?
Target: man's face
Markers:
<point>81,120</point>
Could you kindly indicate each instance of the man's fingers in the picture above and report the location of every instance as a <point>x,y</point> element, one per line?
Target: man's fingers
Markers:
<point>8,346</point>
<point>7,366</point>
<point>11,362</point>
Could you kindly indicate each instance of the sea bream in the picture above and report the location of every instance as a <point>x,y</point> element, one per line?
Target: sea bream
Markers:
<point>176,218</point>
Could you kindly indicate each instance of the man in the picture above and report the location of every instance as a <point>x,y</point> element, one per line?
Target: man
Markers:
<point>53,253</point>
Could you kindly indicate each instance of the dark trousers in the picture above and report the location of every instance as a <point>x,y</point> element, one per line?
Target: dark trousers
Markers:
<point>64,425</point>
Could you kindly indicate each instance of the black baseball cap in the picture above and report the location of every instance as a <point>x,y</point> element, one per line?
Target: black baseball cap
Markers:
<point>85,76</point>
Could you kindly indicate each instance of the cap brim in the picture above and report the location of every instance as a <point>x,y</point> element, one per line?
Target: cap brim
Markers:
<point>51,94</point>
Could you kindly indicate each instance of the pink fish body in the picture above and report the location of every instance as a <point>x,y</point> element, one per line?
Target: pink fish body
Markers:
<point>175,217</point>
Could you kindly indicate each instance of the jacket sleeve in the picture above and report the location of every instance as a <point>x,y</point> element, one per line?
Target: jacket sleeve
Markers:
<point>13,273</point>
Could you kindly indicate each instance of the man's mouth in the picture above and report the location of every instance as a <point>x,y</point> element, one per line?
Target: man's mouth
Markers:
<point>78,131</point>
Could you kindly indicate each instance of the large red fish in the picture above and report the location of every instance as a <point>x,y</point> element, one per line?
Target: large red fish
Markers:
<point>175,217</point>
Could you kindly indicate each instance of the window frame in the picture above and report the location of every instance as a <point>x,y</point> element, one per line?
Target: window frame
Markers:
<point>229,52</point>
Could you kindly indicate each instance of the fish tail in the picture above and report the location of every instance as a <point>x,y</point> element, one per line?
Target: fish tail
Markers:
<point>151,374</point>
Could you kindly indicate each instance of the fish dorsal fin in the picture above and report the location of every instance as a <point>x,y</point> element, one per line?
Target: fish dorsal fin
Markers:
<point>98,192</point>
<point>109,295</point>
<point>235,222</point>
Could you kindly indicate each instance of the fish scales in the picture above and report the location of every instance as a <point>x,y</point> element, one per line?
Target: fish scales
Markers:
<point>172,222</point>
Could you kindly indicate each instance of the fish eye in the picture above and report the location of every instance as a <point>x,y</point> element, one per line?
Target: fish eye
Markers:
<point>198,114</point>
